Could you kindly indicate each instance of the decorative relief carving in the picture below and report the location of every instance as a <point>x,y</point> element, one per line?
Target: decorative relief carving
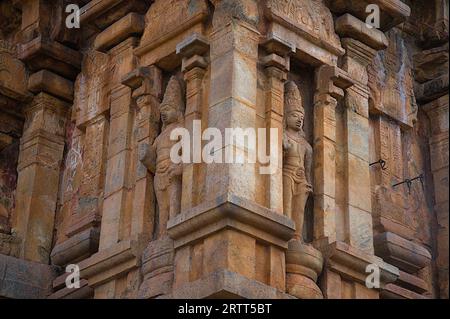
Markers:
<point>389,205</point>
<point>161,19</point>
<point>92,87</point>
<point>13,77</point>
<point>8,183</point>
<point>9,18</point>
<point>297,159</point>
<point>303,262</point>
<point>157,159</point>
<point>311,16</point>
<point>391,81</point>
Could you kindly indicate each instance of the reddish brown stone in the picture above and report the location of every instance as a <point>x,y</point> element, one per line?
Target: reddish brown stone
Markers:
<point>85,169</point>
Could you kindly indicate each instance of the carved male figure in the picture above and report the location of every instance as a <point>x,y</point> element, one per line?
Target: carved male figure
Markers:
<point>297,159</point>
<point>167,181</point>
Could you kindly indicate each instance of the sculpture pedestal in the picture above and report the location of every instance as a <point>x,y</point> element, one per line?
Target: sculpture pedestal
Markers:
<point>230,248</point>
<point>157,269</point>
<point>303,266</point>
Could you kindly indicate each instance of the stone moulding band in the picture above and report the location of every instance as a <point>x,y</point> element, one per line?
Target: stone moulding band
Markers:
<point>231,212</point>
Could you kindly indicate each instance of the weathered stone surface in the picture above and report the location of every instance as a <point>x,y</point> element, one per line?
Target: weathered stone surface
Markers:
<point>360,174</point>
<point>21,279</point>
<point>402,253</point>
<point>393,12</point>
<point>76,248</point>
<point>130,25</point>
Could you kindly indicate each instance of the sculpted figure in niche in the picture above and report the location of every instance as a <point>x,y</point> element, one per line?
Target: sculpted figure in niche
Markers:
<point>167,181</point>
<point>297,159</point>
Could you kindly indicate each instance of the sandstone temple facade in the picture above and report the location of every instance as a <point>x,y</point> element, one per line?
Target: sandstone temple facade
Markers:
<point>360,187</point>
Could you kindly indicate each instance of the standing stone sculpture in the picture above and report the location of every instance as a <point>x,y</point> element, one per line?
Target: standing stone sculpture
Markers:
<point>167,174</point>
<point>297,160</point>
<point>158,257</point>
<point>303,262</point>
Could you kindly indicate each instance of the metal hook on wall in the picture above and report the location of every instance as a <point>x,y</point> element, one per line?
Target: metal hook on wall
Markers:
<point>382,163</point>
<point>409,182</point>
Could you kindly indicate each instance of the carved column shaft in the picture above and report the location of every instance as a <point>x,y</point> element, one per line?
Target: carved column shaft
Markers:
<point>358,228</point>
<point>194,66</point>
<point>92,180</point>
<point>324,160</point>
<point>234,56</point>
<point>439,148</point>
<point>146,130</point>
<point>41,152</point>
<point>191,186</point>
<point>116,222</point>
<point>274,119</point>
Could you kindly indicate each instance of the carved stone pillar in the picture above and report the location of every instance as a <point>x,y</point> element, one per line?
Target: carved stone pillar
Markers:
<point>194,67</point>
<point>41,151</point>
<point>52,67</point>
<point>229,246</point>
<point>277,65</point>
<point>358,229</point>
<point>349,198</point>
<point>119,249</point>
<point>330,82</point>
<point>438,113</point>
<point>147,85</point>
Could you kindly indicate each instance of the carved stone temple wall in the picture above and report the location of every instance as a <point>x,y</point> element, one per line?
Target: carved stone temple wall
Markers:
<point>361,172</point>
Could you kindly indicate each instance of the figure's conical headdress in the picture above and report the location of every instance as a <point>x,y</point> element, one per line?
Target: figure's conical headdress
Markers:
<point>174,95</point>
<point>292,98</point>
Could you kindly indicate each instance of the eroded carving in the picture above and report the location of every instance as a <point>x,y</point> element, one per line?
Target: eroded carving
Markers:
<point>391,81</point>
<point>161,19</point>
<point>91,86</point>
<point>311,16</point>
<point>157,158</point>
<point>297,159</point>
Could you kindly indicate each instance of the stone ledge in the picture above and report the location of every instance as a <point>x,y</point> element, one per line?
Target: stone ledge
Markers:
<point>401,253</point>
<point>231,212</point>
<point>130,25</point>
<point>393,12</point>
<point>351,263</point>
<point>103,13</point>
<point>76,248</point>
<point>226,284</point>
<point>110,263</point>
<point>22,279</point>
<point>84,292</point>
<point>40,54</point>
<point>52,84</point>
<point>349,26</point>
<point>392,291</point>
<point>412,283</point>
<point>433,89</point>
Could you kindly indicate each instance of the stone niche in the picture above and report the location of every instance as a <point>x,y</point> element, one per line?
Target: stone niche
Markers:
<point>304,77</point>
